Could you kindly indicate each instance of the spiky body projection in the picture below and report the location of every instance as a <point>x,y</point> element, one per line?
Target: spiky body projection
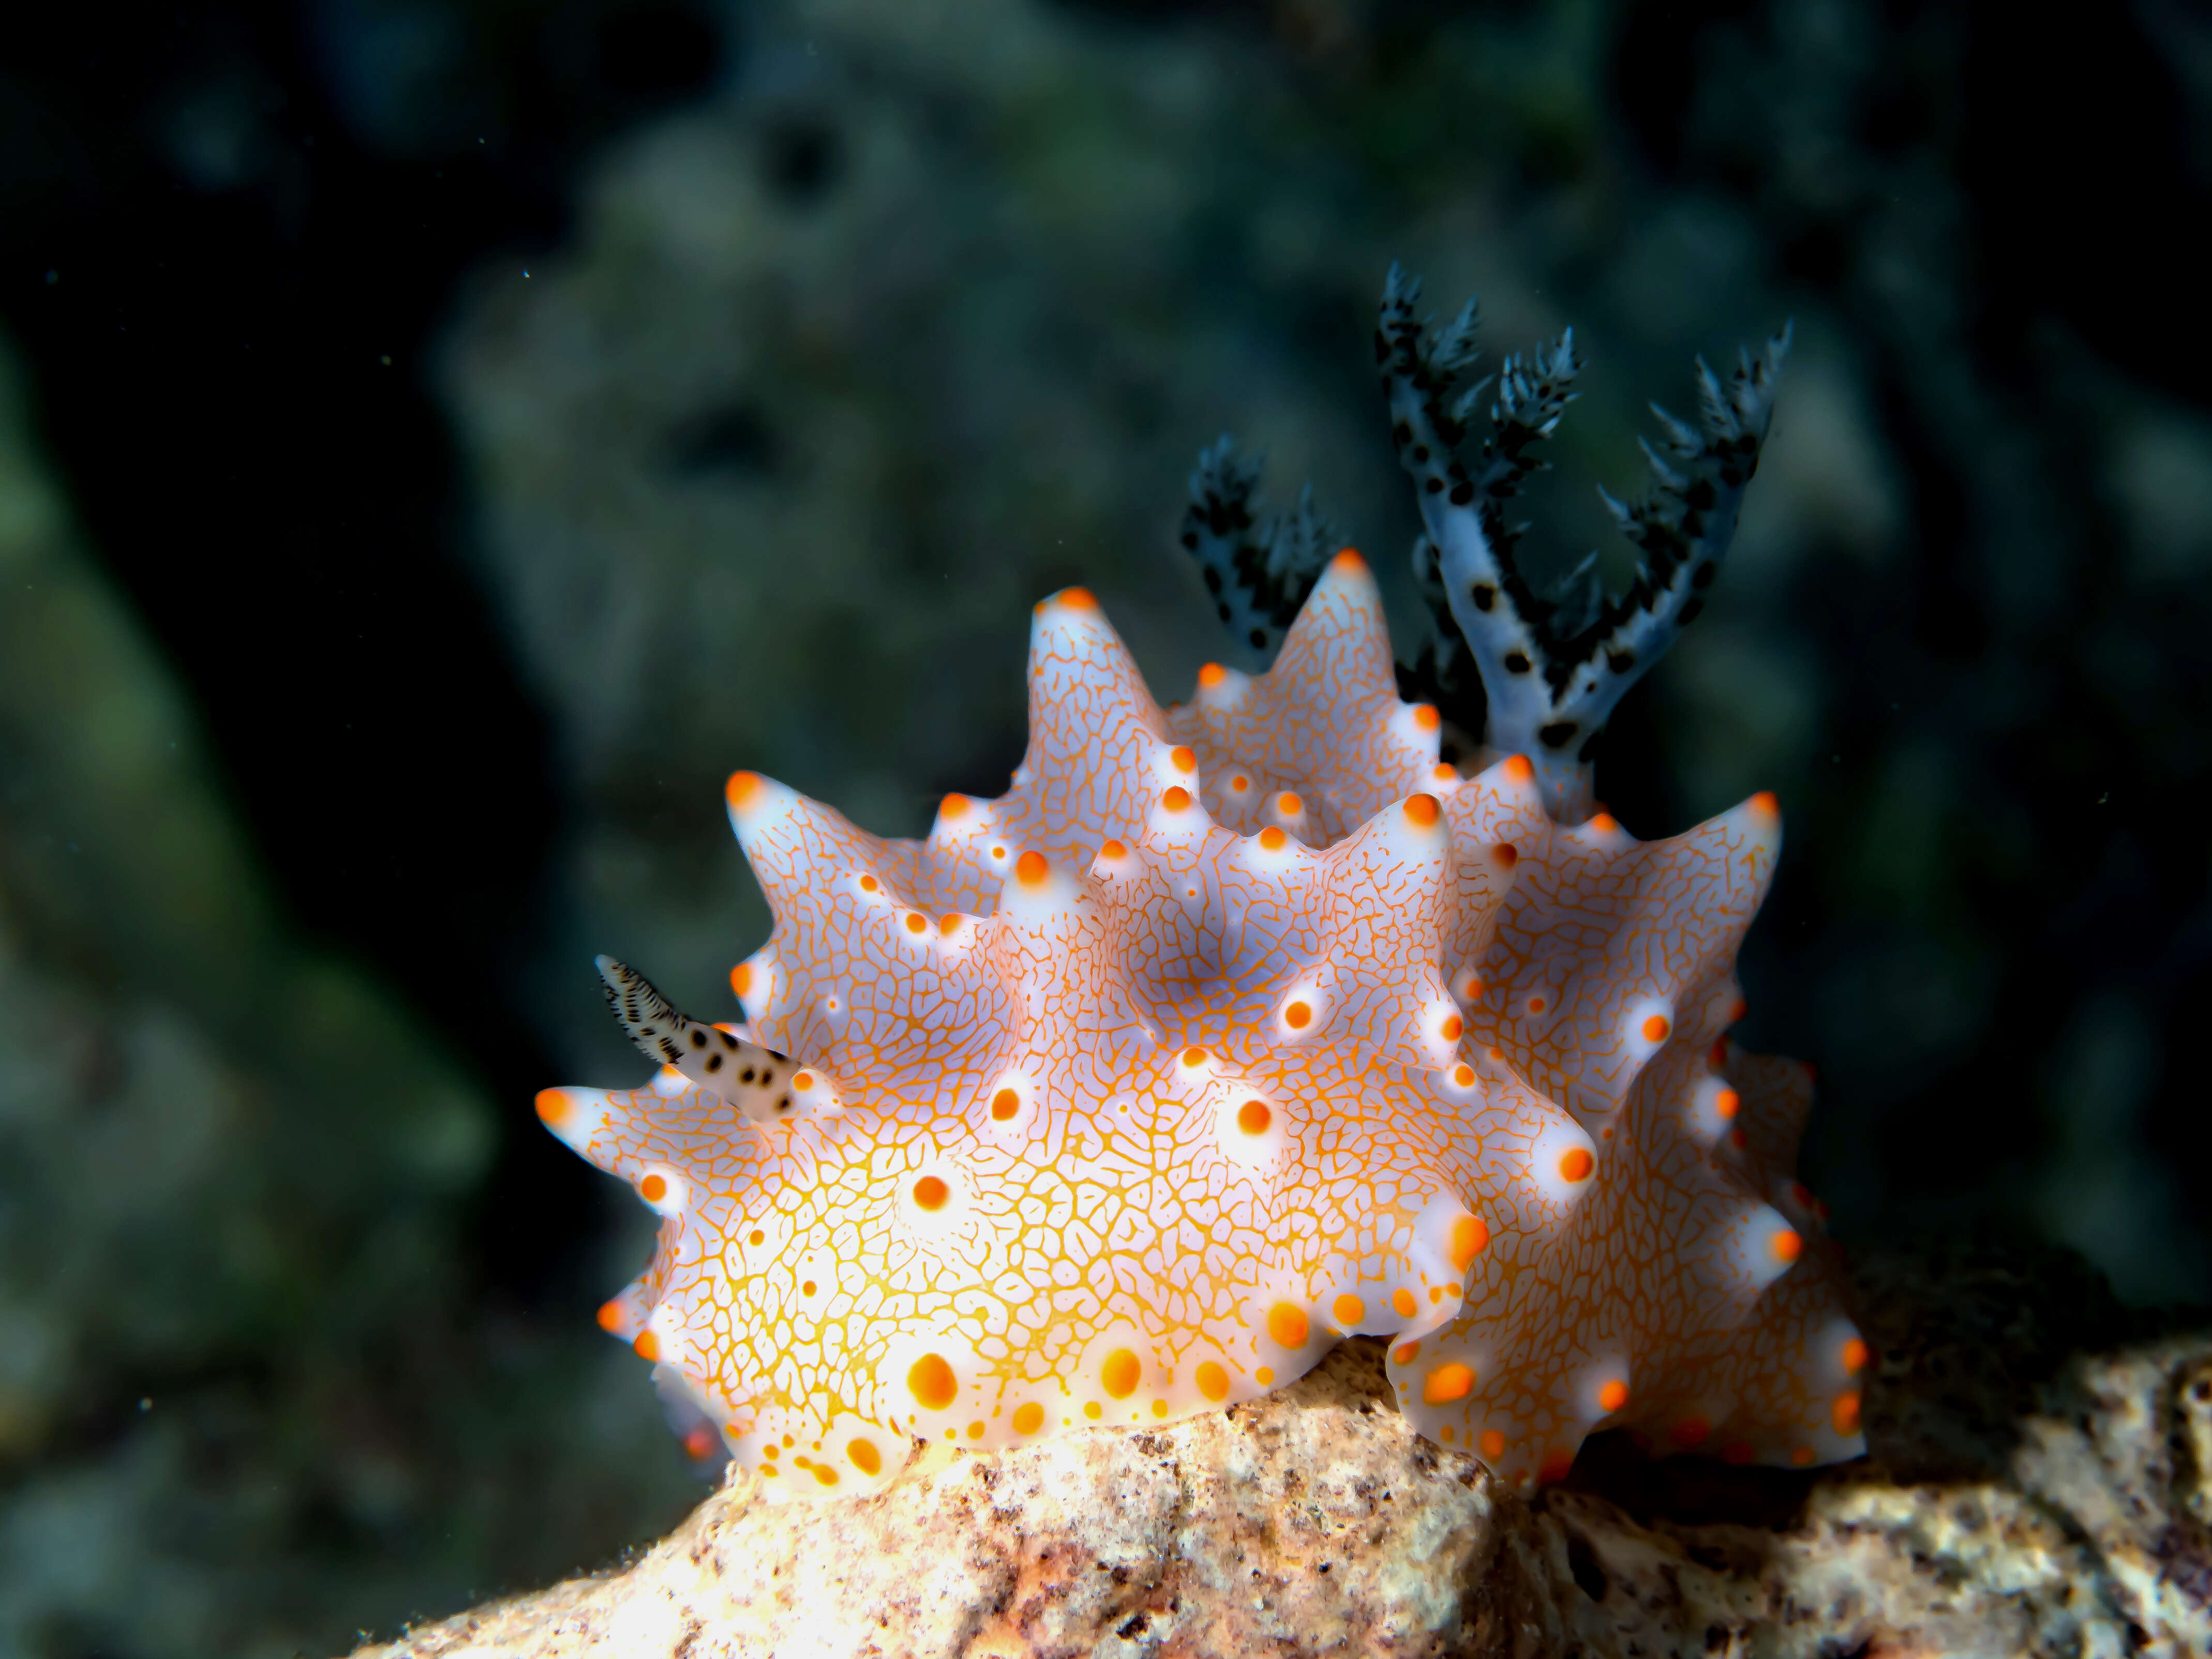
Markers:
<point>1230,1028</point>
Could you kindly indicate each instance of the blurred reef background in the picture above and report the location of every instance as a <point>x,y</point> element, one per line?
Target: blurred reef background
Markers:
<point>441,438</point>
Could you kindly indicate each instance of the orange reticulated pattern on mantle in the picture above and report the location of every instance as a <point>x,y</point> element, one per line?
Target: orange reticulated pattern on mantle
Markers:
<point>1230,1029</point>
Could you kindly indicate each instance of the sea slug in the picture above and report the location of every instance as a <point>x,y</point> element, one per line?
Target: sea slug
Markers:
<point>1239,1026</point>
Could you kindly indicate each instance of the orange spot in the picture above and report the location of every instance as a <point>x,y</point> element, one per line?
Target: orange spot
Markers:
<point>1470,1234</point>
<point>975,1431</point>
<point>931,1193</point>
<point>1029,1417</point>
<point>741,979</point>
<point>1507,855</point>
<point>1719,1056</point>
<point>864,1456</point>
<point>1030,869</point>
<point>1737,1010</point>
<point>1265,1376</point>
<point>610,1317</point>
<point>952,807</point>
<point>948,925</point>
<point>1273,839</point>
<point>1445,772</point>
<point>1764,806</point>
<point>1240,783</point>
<point>1787,1246</point>
<point>1492,1444</point>
<point>1614,1395</point>
<point>1159,1408</point>
<point>802,1081</point>
<point>653,1189</point>
<point>1349,1310</point>
<point>1175,799</point>
<point>1120,1374</point>
<point>1471,988</point>
<point>806,1287</point>
<point>1604,824</point>
<point>1802,1455</point>
<point>1856,1355</point>
<point>1286,1323</point>
<point>1210,674</point>
<point>1090,1409</point>
<point>1298,1016</point>
<point>552,1105</point>
<point>1517,769</point>
<point>998,852</point>
<point>826,1474</point>
<point>1212,1381</point>
<point>1447,1382</point>
<point>1844,1414</point>
<point>915,924</point>
<point>1252,1117</point>
<point>1183,760</point>
<point>1557,1462</point>
<point>771,1451</point>
<point>1425,716</point>
<point>1077,599</point>
<point>1450,1028</point>
<point>1113,849</point>
<point>1402,1300</point>
<point>1348,562</point>
<point>647,1346</point>
<point>1422,811</point>
<point>1536,1005</point>
<point>929,1379</point>
<point>1464,1076</point>
<point>1575,1165</point>
<point>1656,1029</point>
<point>1406,1352</point>
<point>758,1237</point>
<point>699,1442</point>
<point>741,790</point>
<point>1004,1104</point>
<point>869,884</point>
<point>1193,1056</point>
<point>1289,805</point>
<point>1690,1432</point>
<point>1728,1103</point>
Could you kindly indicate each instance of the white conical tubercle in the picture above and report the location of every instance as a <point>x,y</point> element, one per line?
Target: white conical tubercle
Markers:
<point>1230,1029</point>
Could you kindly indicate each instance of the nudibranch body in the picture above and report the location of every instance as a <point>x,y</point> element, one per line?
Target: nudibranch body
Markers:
<point>1230,1029</point>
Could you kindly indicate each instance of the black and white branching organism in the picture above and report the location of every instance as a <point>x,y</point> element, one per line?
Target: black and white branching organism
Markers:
<point>1548,667</point>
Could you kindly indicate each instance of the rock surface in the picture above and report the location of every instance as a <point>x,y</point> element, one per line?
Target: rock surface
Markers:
<point>2018,1502</point>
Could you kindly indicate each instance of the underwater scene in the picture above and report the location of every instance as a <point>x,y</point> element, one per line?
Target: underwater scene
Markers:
<point>1125,827</point>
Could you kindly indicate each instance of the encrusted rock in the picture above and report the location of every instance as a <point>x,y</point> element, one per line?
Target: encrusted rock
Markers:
<point>2018,1501</point>
<point>1310,1521</point>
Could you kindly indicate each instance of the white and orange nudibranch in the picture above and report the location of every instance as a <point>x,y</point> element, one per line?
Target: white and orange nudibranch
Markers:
<point>1232,1028</point>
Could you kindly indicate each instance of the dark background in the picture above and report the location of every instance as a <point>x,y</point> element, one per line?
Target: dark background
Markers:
<point>237,243</point>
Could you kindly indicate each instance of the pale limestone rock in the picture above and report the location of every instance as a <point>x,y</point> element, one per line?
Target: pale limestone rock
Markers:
<point>1312,1521</point>
<point>2018,1502</point>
